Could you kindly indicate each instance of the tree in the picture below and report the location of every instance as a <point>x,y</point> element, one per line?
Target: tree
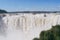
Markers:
<point>52,34</point>
<point>3,11</point>
<point>35,39</point>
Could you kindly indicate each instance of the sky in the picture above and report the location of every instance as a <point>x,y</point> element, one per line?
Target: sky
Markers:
<point>30,5</point>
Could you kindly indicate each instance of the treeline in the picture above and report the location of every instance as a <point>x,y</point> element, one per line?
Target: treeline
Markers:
<point>52,34</point>
<point>3,11</point>
<point>34,12</point>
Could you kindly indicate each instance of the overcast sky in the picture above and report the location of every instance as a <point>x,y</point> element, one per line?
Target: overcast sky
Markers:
<point>32,5</point>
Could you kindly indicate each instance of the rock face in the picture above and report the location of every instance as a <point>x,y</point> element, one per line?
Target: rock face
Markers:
<point>28,26</point>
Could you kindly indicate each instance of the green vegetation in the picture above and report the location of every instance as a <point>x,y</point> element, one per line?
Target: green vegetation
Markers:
<point>52,34</point>
<point>3,11</point>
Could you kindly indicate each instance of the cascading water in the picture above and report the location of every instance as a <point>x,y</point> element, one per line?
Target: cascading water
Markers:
<point>26,26</point>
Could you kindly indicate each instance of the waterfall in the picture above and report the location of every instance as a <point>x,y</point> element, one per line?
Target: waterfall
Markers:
<point>26,26</point>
